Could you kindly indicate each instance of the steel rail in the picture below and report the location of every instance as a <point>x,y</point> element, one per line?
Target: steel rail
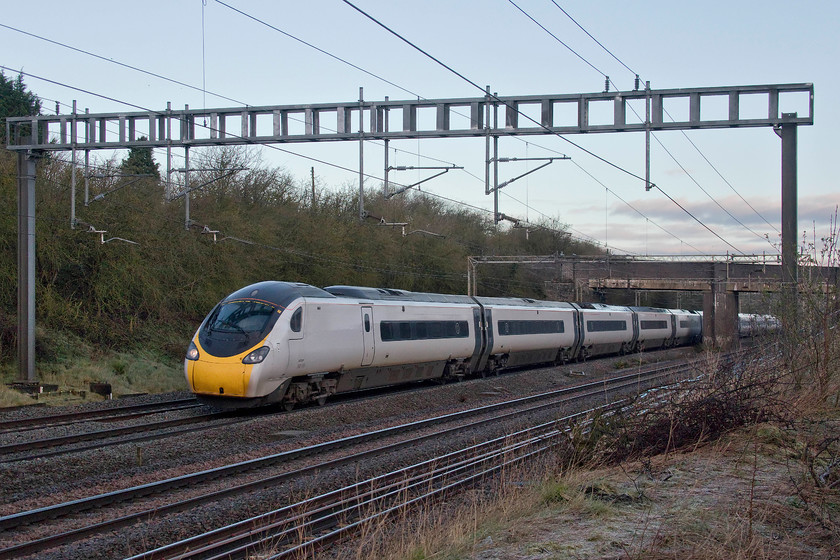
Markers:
<point>241,538</point>
<point>237,538</point>
<point>16,520</point>
<point>122,441</point>
<point>75,506</point>
<point>116,413</point>
<point>344,529</point>
<point>12,448</point>
<point>332,514</point>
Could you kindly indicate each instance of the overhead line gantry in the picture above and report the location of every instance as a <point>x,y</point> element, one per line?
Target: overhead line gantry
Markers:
<point>31,136</point>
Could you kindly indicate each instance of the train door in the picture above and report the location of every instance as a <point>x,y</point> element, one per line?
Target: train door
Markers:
<point>480,338</point>
<point>297,352</point>
<point>368,335</point>
<point>488,339</point>
<point>577,321</point>
<point>636,330</point>
<point>673,330</point>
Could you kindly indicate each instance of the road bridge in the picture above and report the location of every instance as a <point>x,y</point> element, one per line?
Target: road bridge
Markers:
<point>721,279</point>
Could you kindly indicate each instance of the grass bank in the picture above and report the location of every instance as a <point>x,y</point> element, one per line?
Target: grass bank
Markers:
<point>744,464</point>
<point>70,363</point>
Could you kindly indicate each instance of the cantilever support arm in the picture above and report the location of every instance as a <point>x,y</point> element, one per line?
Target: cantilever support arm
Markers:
<point>509,181</point>
<point>411,186</point>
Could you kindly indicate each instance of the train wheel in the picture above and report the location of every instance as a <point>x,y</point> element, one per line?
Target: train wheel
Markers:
<point>321,401</point>
<point>288,406</point>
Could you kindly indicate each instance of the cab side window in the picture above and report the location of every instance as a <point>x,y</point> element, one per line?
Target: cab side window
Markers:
<point>296,322</point>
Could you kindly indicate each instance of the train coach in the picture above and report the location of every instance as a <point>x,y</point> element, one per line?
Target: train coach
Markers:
<point>290,343</point>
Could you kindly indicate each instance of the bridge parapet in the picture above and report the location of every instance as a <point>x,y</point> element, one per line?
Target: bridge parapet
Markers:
<point>686,285</point>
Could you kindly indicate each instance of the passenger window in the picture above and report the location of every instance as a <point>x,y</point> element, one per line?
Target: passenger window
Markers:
<point>297,320</point>
<point>367,322</point>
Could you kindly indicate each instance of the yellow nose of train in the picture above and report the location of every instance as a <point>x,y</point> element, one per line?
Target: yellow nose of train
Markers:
<point>212,375</point>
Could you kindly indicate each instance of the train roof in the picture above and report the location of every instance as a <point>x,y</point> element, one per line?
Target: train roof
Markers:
<point>391,294</point>
<point>278,293</point>
<point>602,306</point>
<point>522,302</point>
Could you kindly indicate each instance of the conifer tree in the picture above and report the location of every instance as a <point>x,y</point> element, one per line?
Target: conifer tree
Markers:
<point>15,101</point>
<point>140,161</point>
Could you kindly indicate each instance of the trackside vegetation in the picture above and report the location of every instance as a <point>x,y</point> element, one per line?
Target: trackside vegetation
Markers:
<point>129,277</point>
<point>743,462</point>
<point>120,292</point>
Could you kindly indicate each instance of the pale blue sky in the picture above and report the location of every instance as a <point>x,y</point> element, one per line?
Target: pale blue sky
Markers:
<point>672,44</point>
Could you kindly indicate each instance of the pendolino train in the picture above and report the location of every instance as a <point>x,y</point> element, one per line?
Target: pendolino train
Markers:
<point>290,343</point>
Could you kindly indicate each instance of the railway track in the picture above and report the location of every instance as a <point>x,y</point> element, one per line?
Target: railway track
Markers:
<point>64,444</point>
<point>304,528</point>
<point>112,436</point>
<point>417,432</point>
<point>110,414</point>
<point>329,517</point>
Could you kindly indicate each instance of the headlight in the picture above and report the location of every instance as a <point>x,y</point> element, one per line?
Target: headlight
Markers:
<point>256,356</point>
<point>192,352</point>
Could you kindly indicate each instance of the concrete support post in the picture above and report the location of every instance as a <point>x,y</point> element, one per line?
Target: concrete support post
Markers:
<point>720,318</point>
<point>26,266</point>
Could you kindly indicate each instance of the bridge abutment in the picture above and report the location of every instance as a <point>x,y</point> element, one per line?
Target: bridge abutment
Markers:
<point>720,317</point>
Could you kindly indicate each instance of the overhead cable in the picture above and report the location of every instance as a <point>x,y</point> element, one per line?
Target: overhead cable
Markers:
<point>493,96</point>
<point>657,139</point>
<point>687,137</point>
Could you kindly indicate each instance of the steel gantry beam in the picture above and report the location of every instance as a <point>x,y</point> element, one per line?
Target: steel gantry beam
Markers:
<point>454,118</point>
<point>330,122</point>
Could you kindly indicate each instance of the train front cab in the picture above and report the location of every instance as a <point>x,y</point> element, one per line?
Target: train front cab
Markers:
<point>237,358</point>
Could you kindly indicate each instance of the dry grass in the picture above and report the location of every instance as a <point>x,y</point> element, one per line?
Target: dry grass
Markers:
<point>735,498</point>
<point>745,464</point>
<point>72,365</point>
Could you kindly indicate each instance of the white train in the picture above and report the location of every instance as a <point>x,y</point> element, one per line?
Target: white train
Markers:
<point>755,325</point>
<point>290,343</point>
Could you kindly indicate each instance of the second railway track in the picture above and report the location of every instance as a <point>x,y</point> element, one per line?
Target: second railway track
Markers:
<point>431,428</point>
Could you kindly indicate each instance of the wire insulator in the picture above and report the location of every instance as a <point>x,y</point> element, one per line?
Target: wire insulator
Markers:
<point>606,84</point>
<point>636,85</point>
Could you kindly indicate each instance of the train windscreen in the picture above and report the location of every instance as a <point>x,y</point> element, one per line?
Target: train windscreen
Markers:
<point>235,326</point>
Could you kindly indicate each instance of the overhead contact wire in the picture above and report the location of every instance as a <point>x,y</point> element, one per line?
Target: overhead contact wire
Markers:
<point>687,137</point>
<point>205,91</point>
<point>495,97</point>
<point>660,143</point>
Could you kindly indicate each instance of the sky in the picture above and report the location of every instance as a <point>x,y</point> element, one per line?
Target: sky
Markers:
<point>217,47</point>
